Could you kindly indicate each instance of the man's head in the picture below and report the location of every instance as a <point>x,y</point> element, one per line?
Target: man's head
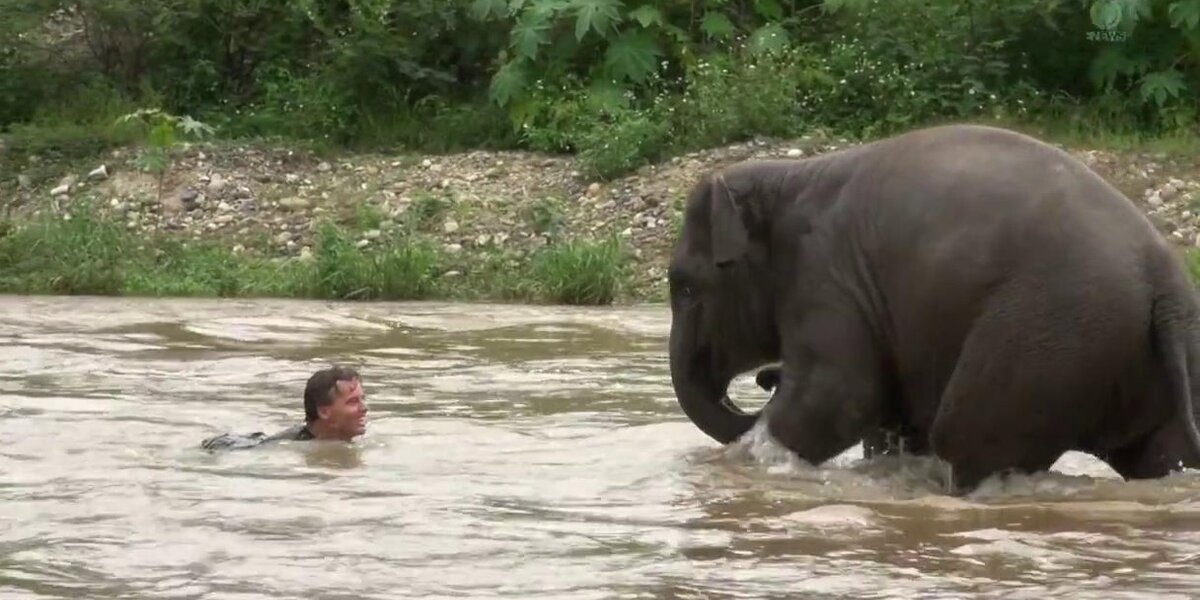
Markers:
<point>334,406</point>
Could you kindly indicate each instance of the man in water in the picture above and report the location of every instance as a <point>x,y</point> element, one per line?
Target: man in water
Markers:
<point>334,409</point>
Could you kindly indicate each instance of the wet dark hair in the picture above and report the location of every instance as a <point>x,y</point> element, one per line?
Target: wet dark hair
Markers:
<point>321,387</point>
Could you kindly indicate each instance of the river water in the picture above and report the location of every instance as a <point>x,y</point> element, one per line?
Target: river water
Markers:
<point>512,452</point>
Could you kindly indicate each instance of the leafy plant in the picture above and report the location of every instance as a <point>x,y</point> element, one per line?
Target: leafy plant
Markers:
<point>161,137</point>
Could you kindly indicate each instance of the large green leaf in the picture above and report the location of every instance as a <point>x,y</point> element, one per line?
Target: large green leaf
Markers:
<point>1107,14</point>
<point>769,9</point>
<point>531,32</point>
<point>647,15</point>
<point>483,9</point>
<point>717,26</point>
<point>597,15</point>
<point>1185,14</point>
<point>509,82</point>
<point>1162,86</point>
<point>633,55</point>
<point>769,38</point>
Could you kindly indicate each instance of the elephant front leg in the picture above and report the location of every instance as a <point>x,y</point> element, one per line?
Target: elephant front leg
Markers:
<point>829,396</point>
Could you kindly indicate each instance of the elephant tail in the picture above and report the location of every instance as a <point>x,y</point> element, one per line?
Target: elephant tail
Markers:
<point>1177,344</point>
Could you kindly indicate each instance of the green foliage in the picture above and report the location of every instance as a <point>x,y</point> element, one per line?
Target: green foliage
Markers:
<point>160,137</point>
<point>581,271</point>
<point>618,82</point>
<point>80,253</point>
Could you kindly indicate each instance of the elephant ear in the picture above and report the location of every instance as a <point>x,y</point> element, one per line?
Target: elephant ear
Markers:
<point>729,236</point>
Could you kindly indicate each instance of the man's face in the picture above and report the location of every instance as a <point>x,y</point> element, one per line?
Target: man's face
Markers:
<point>346,416</point>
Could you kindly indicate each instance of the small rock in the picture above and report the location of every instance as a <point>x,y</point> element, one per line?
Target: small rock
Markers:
<point>483,239</point>
<point>593,189</point>
<point>1168,191</point>
<point>362,243</point>
<point>238,249</point>
<point>1155,199</point>
<point>100,172</point>
<point>427,163</point>
<point>61,190</point>
<point>324,167</point>
<point>216,184</point>
<point>294,203</point>
<point>450,226</point>
<point>291,178</point>
<point>283,237</point>
<point>453,248</point>
<point>372,234</point>
<point>24,181</point>
<point>306,253</point>
<point>795,153</point>
<point>451,274</point>
<point>172,205</point>
<point>291,244</point>
<point>242,192</point>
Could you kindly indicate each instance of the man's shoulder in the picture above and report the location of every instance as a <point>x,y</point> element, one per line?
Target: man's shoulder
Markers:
<point>234,441</point>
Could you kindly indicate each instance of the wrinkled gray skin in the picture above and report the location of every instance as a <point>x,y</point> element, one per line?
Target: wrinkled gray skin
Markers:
<point>982,293</point>
<point>891,439</point>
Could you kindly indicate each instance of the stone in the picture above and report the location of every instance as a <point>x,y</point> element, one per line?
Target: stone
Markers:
<point>593,189</point>
<point>61,190</point>
<point>372,234</point>
<point>362,243</point>
<point>100,172</point>
<point>795,153</point>
<point>217,183</point>
<point>324,167</point>
<point>294,203</point>
<point>283,237</point>
<point>173,205</point>
<point>450,226</point>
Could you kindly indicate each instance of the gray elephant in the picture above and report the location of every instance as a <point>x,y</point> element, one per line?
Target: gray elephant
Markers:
<point>981,293</point>
<point>891,439</point>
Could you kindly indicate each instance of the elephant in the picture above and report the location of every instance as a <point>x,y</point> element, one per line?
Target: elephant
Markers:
<point>980,291</point>
<point>895,439</point>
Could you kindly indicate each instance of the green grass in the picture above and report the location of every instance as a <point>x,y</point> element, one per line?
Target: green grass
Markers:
<point>85,254</point>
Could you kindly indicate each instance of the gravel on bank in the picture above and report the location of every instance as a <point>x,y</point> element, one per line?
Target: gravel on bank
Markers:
<point>268,198</point>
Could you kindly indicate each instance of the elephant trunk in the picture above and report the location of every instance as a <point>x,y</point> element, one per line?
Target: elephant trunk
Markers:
<point>703,395</point>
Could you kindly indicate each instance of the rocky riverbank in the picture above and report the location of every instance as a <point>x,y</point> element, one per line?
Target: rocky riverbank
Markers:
<point>266,200</point>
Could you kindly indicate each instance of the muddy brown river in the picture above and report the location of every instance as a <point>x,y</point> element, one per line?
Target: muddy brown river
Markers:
<point>512,452</point>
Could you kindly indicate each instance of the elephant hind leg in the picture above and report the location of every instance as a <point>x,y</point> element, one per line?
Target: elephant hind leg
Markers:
<point>1017,399</point>
<point>1165,450</point>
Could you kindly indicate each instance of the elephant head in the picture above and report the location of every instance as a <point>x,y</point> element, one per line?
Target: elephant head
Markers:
<point>722,292</point>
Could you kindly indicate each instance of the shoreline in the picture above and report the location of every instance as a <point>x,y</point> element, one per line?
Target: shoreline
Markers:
<point>260,220</point>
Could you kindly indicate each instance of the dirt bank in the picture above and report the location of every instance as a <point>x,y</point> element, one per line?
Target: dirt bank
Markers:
<point>265,199</point>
